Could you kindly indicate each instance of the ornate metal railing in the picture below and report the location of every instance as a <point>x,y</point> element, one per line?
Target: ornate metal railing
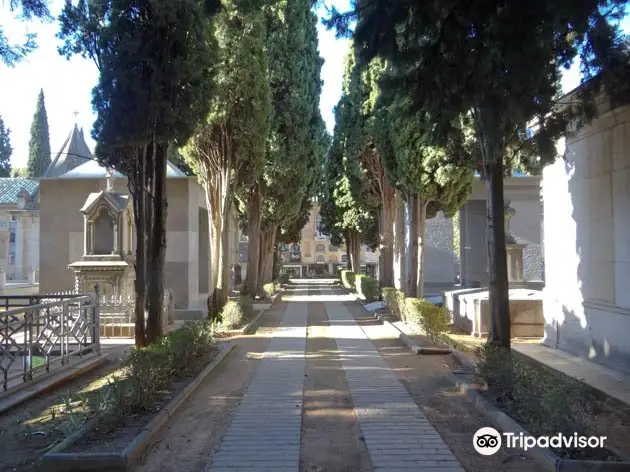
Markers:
<point>44,332</point>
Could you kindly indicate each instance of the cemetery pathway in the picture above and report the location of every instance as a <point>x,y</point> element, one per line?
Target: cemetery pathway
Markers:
<point>320,388</point>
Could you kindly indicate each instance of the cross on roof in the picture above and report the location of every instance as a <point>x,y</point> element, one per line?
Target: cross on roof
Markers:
<point>76,113</point>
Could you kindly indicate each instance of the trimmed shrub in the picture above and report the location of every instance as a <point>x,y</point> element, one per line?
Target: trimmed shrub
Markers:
<point>367,287</point>
<point>347,279</point>
<point>232,314</point>
<point>269,289</point>
<point>433,320</point>
<point>283,279</point>
<point>394,301</point>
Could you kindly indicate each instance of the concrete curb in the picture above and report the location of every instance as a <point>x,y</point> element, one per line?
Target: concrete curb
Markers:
<point>545,456</point>
<point>58,461</point>
<point>21,394</point>
<point>413,345</point>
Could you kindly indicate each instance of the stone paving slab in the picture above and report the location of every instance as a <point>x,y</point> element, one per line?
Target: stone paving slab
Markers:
<point>264,434</point>
<point>398,435</point>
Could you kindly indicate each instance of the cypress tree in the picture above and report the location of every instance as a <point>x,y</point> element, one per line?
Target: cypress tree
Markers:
<point>5,150</point>
<point>39,145</point>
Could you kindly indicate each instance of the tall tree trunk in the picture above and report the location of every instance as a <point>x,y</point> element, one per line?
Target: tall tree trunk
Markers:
<point>412,276</point>
<point>138,191</point>
<point>489,129</point>
<point>355,251</point>
<point>157,256</point>
<point>212,191</point>
<point>277,264</point>
<point>267,240</point>
<point>400,248</point>
<point>348,251</point>
<point>253,247</point>
<point>422,229</point>
<point>387,234</point>
<point>224,260</point>
<point>497,259</point>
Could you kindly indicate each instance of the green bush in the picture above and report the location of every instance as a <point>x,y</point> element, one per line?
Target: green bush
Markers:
<point>367,287</point>
<point>544,402</point>
<point>433,320</point>
<point>394,301</point>
<point>269,289</point>
<point>283,279</point>
<point>232,315</point>
<point>188,344</point>
<point>347,279</point>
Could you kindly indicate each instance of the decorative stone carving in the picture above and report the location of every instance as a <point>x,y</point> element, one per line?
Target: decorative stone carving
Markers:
<point>509,214</point>
<point>107,231</point>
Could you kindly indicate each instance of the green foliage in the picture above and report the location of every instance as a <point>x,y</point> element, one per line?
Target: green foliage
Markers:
<point>394,301</point>
<point>167,105</point>
<point>5,150</point>
<point>347,279</point>
<point>175,157</point>
<point>11,54</point>
<point>545,403</point>
<point>39,156</point>
<point>283,279</point>
<point>270,289</point>
<point>232,314</point>
<point>433,320</point>
<point>151,371</point>
<point>296,141</point>
<point>367,287</point>
<point>448,81</point>
<point>350,199</point>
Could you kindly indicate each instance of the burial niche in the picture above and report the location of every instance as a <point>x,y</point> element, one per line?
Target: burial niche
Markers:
<point>103,233</point>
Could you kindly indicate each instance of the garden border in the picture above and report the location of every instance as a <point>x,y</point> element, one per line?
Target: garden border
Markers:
<point>58,461</point>
<point>48,382</point>
<point>411,344</point>
<point>544,456</point>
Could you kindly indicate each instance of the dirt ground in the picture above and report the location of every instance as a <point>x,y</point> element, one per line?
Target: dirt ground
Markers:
<point>452,415</point>
<point>31,429</point>
<point>331,438</point>
<point>194,433</point>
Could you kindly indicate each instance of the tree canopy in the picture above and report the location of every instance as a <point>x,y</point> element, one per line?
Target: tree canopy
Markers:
<point>39,156</point>
<point>11,54</point>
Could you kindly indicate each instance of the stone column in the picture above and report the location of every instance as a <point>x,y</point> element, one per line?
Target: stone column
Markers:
<point>86,235</point>
<point>115,247</point>
<point>3,278</point>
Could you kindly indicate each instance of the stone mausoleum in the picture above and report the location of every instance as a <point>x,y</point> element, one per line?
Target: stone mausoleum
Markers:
<point>87,231</point>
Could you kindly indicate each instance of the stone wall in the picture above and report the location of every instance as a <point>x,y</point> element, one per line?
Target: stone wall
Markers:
<point>587,244</point>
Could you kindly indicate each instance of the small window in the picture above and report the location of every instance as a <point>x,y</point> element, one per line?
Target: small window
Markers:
<point>333,248</point>
<point>12,258</point>
<point>11,237</point>
<point>320,248</point>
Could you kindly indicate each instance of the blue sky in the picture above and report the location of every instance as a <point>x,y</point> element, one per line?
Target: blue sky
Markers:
<point>68,84</point>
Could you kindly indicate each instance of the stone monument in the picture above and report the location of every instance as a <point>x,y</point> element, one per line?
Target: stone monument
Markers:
<point>514,251</point>
<point>107,244</point>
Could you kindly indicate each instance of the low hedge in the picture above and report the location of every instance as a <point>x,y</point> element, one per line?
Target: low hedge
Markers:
<point>367,287</point>
<point>347,279</point>
<point>433,320</point>
<point>237,312</point>
<point>394,301</point>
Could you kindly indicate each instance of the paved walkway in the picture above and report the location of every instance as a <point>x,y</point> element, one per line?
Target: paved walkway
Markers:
<point>265,432</point>
<point>264,435</point>
<point>398,435</point>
